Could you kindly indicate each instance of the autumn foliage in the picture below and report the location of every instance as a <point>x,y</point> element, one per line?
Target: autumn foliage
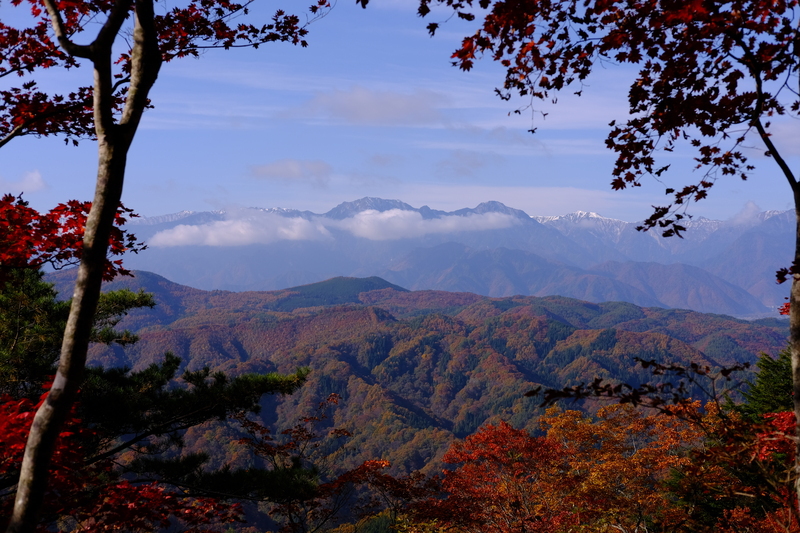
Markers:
<point>583,474</point>
<point>90,496</point>
<point>622,470</point>
<point>30,239</point>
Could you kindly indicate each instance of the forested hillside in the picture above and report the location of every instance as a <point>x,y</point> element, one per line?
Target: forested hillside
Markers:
<point>416,369</point>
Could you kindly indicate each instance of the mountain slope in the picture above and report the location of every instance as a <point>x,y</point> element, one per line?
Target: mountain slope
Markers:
<point>503,272</point>
<point>417,369</point>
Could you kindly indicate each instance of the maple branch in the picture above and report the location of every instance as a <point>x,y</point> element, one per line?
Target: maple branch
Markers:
<point>751,63</point>
<point>20,129</point>
<point>11,71</point>
<point>76,50</point>
<point>16,132</point>
<point>766,137</point>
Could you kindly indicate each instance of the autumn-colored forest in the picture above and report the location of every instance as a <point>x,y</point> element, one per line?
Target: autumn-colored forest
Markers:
<point>355,405</point>
<point>410,413</point>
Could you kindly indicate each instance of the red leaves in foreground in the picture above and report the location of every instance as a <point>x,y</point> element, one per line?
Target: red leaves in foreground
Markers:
<point>581,473</point>
<point>621,471</point>
<point>29,239</point>
<point>779,436</point>
<point>503,485</point>
<point>91,497</point>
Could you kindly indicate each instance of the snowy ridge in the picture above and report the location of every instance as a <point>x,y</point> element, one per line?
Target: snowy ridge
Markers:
<point>583,221</point>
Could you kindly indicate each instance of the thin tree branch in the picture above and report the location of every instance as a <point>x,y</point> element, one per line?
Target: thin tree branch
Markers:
<point>76,50</point>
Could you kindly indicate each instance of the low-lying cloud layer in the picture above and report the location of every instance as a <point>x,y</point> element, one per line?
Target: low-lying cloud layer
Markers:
<point>265,228</point>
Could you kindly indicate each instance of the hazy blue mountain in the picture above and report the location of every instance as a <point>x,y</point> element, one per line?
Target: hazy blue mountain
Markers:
<point>491,249</point>
<point>502,272</point>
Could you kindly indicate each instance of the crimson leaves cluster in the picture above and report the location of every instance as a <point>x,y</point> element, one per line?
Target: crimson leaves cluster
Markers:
<point>29,239</point>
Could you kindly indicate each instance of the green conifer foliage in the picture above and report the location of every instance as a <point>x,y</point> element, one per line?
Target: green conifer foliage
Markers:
<point>771,392</point>
<point>31,325</point>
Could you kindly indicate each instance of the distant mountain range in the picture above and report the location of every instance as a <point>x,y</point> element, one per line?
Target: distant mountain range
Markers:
<point>725,267</point>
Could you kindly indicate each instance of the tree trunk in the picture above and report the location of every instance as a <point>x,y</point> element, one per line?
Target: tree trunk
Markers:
<point>51,415</point>
<point>114,140</point>
<point>794,336</point>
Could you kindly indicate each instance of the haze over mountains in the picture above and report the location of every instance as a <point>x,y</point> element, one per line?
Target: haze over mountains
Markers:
<point>725,267</point>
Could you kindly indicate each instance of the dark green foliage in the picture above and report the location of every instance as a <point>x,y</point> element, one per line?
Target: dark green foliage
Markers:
<point>556,331</point>
<point>616,313</point>
<point>722,347</point>
<point>32,322</point>
<point>327,385</point>
<point>111,308</point>
<point>505,304</point>
<point>604,342</point>
<point>335,291</point>
<point>31,326</point>
<point>771,391</point>
<point>782,323</point>
<point>374,350</point>
<point>145,405</point>
<point>274,485</point>
<point>468,424</point>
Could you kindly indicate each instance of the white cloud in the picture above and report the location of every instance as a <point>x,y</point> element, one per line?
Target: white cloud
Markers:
<point>398,224</point>
<point>261,228</point>
<point>30,182</point>
<point>747,216</point>
<point>315,171</point>
<point>363,106</point>
<point>265,228</point>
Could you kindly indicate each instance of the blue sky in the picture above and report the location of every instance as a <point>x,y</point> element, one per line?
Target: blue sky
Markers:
<point>371,108</point>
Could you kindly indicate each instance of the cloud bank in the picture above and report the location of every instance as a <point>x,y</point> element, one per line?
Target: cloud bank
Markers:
<point>263,228</point>
<point>266,228</point>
